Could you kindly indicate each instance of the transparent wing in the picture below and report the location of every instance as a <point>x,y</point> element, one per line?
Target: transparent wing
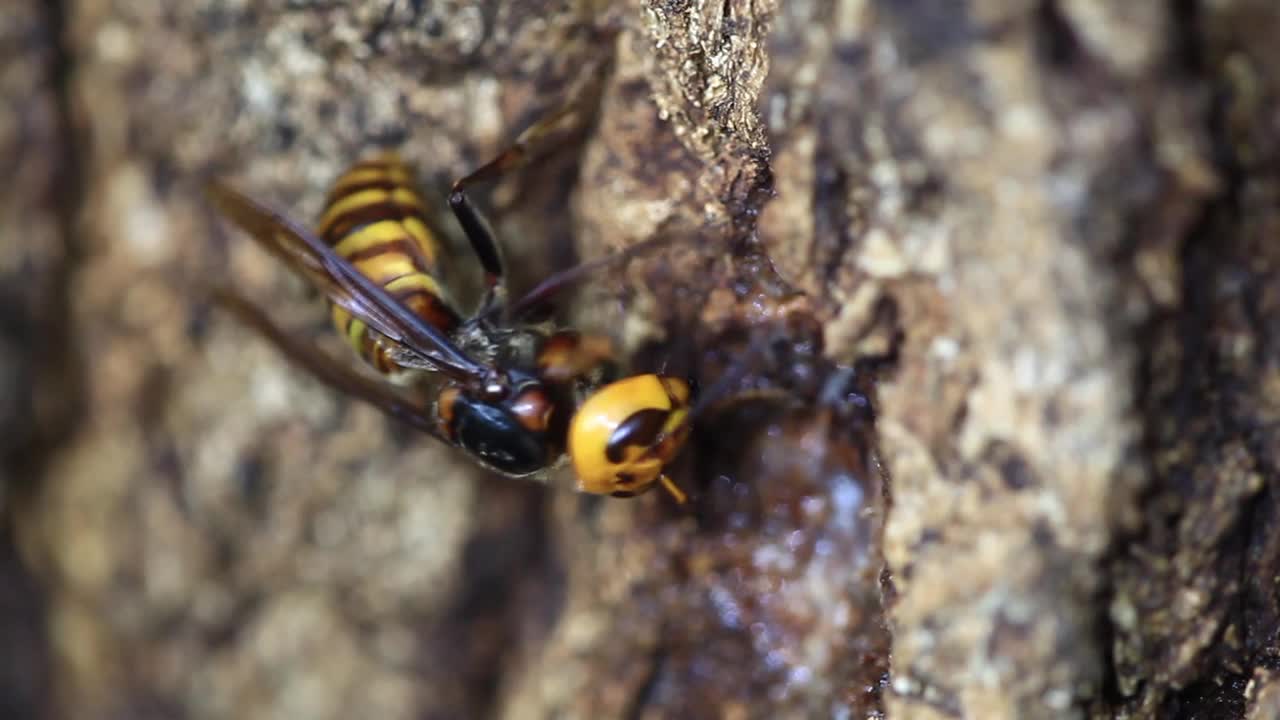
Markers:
<point>301,250</point>
<point>336,375</point>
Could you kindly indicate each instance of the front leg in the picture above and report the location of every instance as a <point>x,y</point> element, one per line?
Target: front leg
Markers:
<point>569,355</point>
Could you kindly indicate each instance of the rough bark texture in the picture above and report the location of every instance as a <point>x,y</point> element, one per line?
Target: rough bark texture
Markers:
<point>37,390</point>
<point>1015,264</point>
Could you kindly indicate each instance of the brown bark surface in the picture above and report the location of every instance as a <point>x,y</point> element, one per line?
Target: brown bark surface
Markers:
<point>1015,265</point>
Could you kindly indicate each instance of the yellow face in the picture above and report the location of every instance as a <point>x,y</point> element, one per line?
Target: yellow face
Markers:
<point>622,436</point>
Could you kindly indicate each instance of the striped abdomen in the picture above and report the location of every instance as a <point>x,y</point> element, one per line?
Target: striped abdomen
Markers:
<point>374,218</point>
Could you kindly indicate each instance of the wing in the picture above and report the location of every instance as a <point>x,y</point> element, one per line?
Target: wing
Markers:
<point>329,371</point>
<point>301,250</point>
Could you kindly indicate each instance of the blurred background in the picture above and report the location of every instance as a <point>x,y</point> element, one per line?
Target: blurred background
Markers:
<point>1015,263</point>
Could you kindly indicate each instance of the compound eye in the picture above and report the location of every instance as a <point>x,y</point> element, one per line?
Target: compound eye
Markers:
<point>641,430</point>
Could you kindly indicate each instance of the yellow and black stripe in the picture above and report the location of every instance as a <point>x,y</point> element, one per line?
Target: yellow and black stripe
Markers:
<point>375,219</point>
